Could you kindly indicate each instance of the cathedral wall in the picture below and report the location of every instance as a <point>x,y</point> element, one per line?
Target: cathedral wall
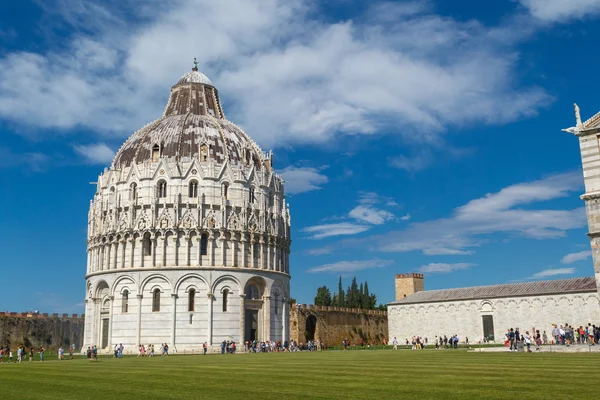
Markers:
<point>465,318</point>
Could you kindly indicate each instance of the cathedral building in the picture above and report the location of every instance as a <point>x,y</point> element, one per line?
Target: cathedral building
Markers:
<point>489,311</point>
<point>188,233</point>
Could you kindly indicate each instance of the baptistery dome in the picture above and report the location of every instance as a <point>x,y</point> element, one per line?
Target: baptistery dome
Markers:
<point>188,233</point>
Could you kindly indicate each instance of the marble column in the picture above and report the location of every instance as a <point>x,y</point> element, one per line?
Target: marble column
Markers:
<point>223,241</point>
<point>211,248</point>
<point>198,238</point>
<point>242,319</point>
<point>174,319</point>
<point>284,318</point>
<point>97,320</point>
<point>140,250</point>
<point>210,318</point>
<point>139,319</point>
<point>174,251</point>
<point>267,317</point>
<point>110,320</point>
<point>252,255</point>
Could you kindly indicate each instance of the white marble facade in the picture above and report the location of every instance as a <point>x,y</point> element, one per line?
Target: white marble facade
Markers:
<point>465,318</point>
<point>188,234</point>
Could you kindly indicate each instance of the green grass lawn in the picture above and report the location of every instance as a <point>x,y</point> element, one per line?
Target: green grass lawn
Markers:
<point>381,375</point>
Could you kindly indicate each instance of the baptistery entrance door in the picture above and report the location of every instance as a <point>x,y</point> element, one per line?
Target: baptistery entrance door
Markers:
<point>253,312</point>
<point>105,322</point>
<point>251,329</point>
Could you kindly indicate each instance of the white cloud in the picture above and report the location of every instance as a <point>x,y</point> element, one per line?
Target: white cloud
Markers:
<point>561,10</point>
<point>406,217</point>
<point>571,258</point>
<point>350,266</point>
<point>371,215</point>
<point>314,79</point>
<point>509,211</point>
<point>435,268</point>
<point>553,272</point>
<point>327,230</point>
<point>440,251</point>
<point>98,153</point>
<point>303,179</point>
<point>415,163</point>
<point>34,161</point>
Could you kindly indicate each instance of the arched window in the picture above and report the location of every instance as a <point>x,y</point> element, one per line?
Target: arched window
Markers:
<point>155,153</point>
<point>192,300</point>
<point>256,250</point>
<point>133,191</point>
<point>252,195</point>
<point>276,302</point>
<point>251,292</point>
<point>204,244</point>
<point>225,295</point>
<point>147,245</point>
<point>203,152</point>
<point>156,300</point>
<point>125,302</point>
<point>161,189</point>
<point>271,199</point>
<point>225,191</point>
<point>193,189</point>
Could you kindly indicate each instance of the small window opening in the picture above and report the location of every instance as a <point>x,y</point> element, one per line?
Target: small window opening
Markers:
<point>155,153</point>
<point>252,195</point>
<point>252,292</point>
<point>276,303</point>
<point>193,189</point>
<point>147,245</point>
<point>133,191</point>
<point>203,152</point>
<point>225,295</point>
<point>125,302</point>
<point>204,244</point>
<point>162,189</point>
<point>156,300</point>
<point>226,191</point>
<point>192,302</point>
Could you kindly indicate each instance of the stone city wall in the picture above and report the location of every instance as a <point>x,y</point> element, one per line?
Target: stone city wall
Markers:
<point>51,331</point>
<point>331,325</point>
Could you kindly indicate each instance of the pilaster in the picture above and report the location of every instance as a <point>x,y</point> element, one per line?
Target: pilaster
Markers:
<point>139,319</point>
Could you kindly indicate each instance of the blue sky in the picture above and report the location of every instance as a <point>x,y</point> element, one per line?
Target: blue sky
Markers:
<point>414,136</point>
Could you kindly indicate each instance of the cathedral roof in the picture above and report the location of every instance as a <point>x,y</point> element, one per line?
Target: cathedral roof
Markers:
<point>193,118</point>
<point>556,286</point>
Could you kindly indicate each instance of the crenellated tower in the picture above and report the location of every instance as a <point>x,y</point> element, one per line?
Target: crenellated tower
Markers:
<point>588,133</point>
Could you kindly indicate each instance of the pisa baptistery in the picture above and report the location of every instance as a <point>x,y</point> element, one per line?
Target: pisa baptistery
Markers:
<point>188,234</point>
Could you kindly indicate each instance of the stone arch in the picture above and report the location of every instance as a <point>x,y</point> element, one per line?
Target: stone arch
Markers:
<point>119,280</point>
<point>102,289</point>
<point>219,282</point>
<point>261,285</point>
<point>278,283</point>
<point>149,279</point>
<point>486,306</point>
<point>188,277</point>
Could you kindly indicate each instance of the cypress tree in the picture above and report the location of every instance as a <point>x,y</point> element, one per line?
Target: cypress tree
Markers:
<point>341,302</point>
<point>366,304</point>
<point>361,293</point>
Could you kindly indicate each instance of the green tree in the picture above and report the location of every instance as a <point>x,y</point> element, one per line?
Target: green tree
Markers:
<point>323,297</point>
<point>373,302</point>
<point>366,300</point>
<point>340,295</point>
<point>352,295</point>
<point>361,293</point>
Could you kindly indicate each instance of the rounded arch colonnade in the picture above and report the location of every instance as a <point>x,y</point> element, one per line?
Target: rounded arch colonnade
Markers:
<point>185,309</point>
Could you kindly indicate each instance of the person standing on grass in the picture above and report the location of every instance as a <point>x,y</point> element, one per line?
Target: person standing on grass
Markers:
<point>527,341</point>
<point>1,355</point>
<point>42,353</point>
<point>95,352</point>
<point>511,340</point>
<point>10,356</point>
<point>31,354</point>
<point>395,343</point>
<point>204,348</point>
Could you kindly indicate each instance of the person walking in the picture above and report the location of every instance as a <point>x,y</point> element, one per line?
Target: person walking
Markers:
<point>204,348</point>
<point>395,343</point>
<point>42,353</point>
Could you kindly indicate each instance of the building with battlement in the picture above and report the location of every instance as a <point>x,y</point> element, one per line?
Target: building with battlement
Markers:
<point>188,233</point>
<point>489,311</point>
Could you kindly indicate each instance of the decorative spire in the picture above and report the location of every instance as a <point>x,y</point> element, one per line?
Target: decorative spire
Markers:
<point>195,65</point>
<point>577,115</point>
